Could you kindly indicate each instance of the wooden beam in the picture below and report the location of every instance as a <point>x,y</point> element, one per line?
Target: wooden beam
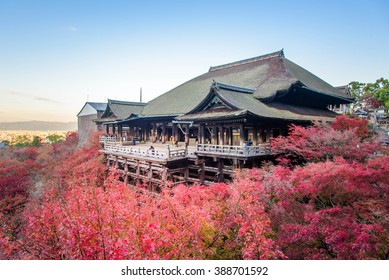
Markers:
<point>226,170</point>
<point>177,170</point>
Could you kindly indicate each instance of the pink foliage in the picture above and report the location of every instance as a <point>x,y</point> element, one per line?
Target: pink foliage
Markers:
<point>14,178</point>
<point>345,138</point>
<point>333,210</point>
<point>118,222</point>
<point>335,206</point>
<point>360,126</point>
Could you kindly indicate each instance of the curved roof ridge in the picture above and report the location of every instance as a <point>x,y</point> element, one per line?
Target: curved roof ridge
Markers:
<point>219,85</point>
<point>248,60</point>
<point>310,80</point>
<point>133,103</point>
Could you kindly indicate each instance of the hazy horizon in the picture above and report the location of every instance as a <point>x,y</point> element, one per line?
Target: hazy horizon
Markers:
<point>38,126</point>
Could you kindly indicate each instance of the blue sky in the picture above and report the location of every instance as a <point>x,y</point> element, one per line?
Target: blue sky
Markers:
<point>54,55</point>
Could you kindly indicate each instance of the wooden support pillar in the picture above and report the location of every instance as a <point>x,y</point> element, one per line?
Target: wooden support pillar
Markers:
<point>186,174</point>
<point>154,132</point>
<point>202,173</point>
<point>187,134</point>
<point>147,134</point>
<point>198,134</point>
<point>220,167</point>
<point>255,136</point>
<point>202,133</point>
<point>150,175</point>
<point>144,137</point>
<point>116,163</point>
<point>163,132</point>
<point>164,174</point>
<point>260,131</point>
<point>242,134</point>
<point>214,135</point>
<point>175,132</point>
<point>157,134</point>
<point>107,128</point>
<point>137,172</point>
<point>125,172</point>
<point>108,163</point>
<point>268,134</point>
<point>221,132</point>
<point>113,129</point>
<point>120,132</point>
<point>230,136</point>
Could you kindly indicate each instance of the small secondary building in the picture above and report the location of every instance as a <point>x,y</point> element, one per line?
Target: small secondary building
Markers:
<point>90,112</point>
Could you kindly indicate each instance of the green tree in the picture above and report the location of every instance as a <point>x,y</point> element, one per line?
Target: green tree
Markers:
<point>21,141</point>
<point>356,90</point>
<point>36,141</point>
<point>379,91</point>
<point>54,138</point>
<point>371,95</point>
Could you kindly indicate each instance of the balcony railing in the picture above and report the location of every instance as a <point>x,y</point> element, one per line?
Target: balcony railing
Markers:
<point>163,154</point>
<point>259,150</point>
<point>108,139</point>
<point>166,153</point>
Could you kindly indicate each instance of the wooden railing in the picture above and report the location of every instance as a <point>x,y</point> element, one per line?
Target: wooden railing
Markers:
<point>108,139</point>
<point>167,154</point>
<point>164,154</point>
<point>259,150</point>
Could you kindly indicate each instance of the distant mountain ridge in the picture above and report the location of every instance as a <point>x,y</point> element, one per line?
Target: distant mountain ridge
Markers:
<point>39,125</point>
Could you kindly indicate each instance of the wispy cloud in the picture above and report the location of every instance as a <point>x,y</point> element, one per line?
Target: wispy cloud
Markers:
<point>33,96</point>
<point>72,28</point>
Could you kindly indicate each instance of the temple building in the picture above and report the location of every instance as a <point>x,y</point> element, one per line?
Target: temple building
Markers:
<point>223,119</point>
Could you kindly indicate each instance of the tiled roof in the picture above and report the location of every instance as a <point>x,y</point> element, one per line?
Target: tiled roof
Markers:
<point>241,103</point>
<point>98,106</point>
<point>95,105</point>
<point>267,75</point>
<point>122,109</point>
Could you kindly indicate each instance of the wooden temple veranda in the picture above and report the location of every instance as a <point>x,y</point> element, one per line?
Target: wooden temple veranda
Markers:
<point>200,131</point>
